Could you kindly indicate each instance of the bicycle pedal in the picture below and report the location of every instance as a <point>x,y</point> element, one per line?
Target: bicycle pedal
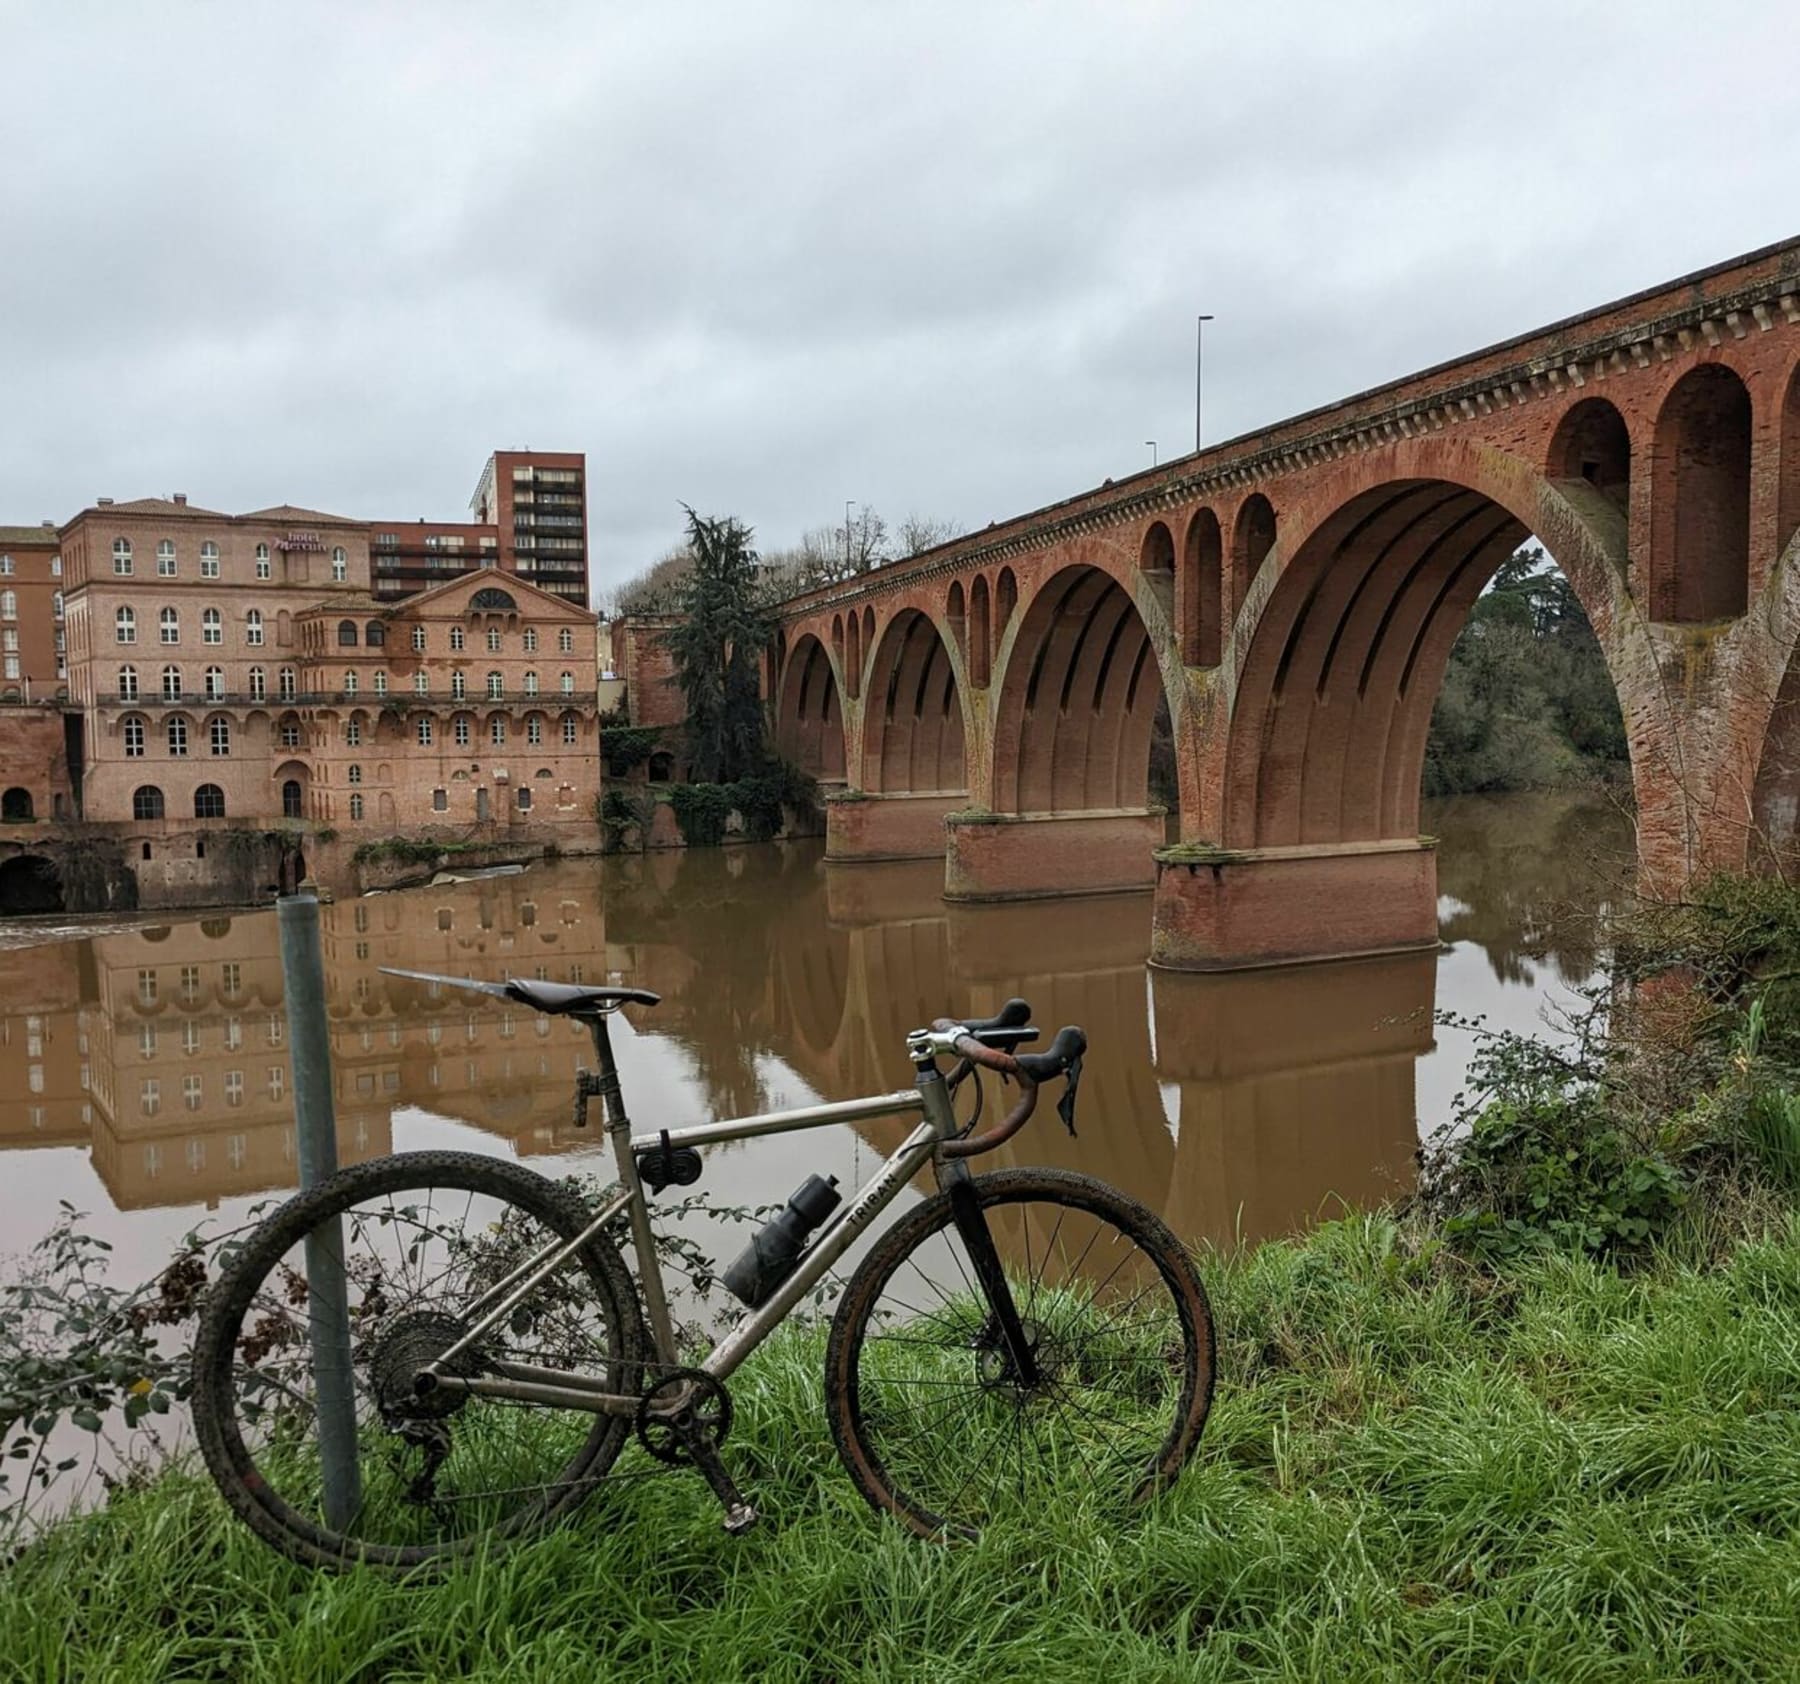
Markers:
<point>739,1519</point>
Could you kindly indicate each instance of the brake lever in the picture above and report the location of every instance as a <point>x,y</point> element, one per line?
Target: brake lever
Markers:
<point>1065,1107</point>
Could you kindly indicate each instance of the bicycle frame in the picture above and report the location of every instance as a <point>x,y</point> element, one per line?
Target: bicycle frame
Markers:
<point>524,1383</point>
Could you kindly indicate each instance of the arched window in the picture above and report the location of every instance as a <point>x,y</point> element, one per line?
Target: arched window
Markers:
<point>146,802</point>
<point>253,628</point>
<point>215,684</point>
<point>496,686</point>
<point>459,729</point>
<point>125,626</point>
<point>209,802</point>
<point>349,681</point>
<point>134,736</point>
<point>291,799</point>
<point>128,689</point>
<point>171,684</point>
<point>375,635</point>
<point>493,640</point>
<point>456,639</point>
<point>284,684</point>
<point>122,567</point>
<point>497,729</point>
<point>177,737</point>
<point>1700,499</point>
<point>425,733</point>
<point>169,622</point>
<point>418,640</point>
<point>531,688</point>
<point>569,726</point>
<point>421,683</point>
<point>220,733</point>
<point>353,773</point>
<point>565,641</point>
<point>263,568</point>
<point>353,732</point>
<point>459,685</point>
<point>381,683</point>
<point>530,640</point>
<point>209,561</point>
<point>356,806</point>
<point>339,564</point>
<point>9,605</point>
<point>534,729</point>
<point>259,685</point>
<point>568,684</point>
<point>165,559</point>
<point>346,634</point>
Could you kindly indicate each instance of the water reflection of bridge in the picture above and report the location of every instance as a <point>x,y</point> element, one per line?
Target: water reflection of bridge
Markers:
<point>1234,1104</point>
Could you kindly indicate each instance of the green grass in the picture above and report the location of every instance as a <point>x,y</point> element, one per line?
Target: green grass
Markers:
<point>1561,1473</point>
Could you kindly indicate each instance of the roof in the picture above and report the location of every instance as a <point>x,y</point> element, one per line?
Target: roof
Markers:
<point>347,602</point>
<point>22,537</point>
<point>155,506</point>
<point>292,511</point>
<point>494,578</point>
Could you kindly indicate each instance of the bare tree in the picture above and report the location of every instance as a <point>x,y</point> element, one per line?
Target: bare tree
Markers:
<point>657,589</point>
<point>924,532</point>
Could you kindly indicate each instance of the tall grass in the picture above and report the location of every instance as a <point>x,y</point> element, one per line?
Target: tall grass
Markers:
<point>1411,1472</point>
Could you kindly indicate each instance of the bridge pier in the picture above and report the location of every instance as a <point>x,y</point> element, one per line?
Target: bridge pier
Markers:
<point>1026,856</point>
<point>1221,909</point>
<point>864,826</point>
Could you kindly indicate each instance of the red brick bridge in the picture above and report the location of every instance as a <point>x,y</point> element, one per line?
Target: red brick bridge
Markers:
<point>1292,597</point>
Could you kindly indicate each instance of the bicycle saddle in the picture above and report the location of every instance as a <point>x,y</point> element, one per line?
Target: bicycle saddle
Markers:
<point>554,999</point>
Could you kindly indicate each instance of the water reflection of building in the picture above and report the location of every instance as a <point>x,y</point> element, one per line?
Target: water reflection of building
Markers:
<point>165,1047</point>
<point>1236,1105</point>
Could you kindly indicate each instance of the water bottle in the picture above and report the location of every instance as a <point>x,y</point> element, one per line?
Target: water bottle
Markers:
<point>770,1257</point>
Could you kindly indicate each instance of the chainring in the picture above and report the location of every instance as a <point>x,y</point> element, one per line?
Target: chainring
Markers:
<point>706,1410</point>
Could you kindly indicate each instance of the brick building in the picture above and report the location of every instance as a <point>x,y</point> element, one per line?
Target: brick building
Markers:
<point>536,503</point>
<point>33,662</point>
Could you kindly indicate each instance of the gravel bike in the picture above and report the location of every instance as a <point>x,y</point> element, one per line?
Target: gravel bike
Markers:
<point>432,1352</point>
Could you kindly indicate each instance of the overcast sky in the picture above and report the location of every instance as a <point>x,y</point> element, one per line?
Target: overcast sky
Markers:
<point>765,257</point>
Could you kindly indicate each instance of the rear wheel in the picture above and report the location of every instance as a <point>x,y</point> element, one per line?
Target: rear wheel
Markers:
<point>932,1417</point>
<point>422,1236</point>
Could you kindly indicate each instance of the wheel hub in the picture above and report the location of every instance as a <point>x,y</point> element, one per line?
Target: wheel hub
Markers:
<point>994,1364</point>
<point>406,1346</point>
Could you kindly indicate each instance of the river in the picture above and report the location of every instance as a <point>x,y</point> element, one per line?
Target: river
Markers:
<point>144,1073</point>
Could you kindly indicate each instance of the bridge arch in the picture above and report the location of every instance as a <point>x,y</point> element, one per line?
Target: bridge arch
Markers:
<point>1593,443</point>
<point>809,717</point>
<point>1336,681</point>
<point>1700,499</point>
<point>913,724</point>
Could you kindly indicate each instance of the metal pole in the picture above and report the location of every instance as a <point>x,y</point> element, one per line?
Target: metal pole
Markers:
<point>315,1127</point>
<point>1152,445</point>
<point>1199,367</point>
<point>849,503</point>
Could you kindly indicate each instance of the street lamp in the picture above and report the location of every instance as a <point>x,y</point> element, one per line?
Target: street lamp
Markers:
<point>1199,365</point>
<point>849,504</point>
<point>1152,445</point>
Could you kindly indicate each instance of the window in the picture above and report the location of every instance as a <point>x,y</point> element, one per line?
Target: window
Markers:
<point>231,977</point>
<point>459,685</point>
<point>220,733</point>
<point>128,690</point>
<point>339,564</point>
<point>568,684</point>
<point>6,566</point>
<point>147,803</point>
<point>209,561</point>
<point>263,569</point>
<point>171,684</point>
<point>456,638</point>
<point>191,1097</point>
<point>421,684</point>
<point>212,626</point>
<point>12,666</point>
<point>497,729</point>
<point>524,798</point>
<point>354,774</point>
<point>259,685</point>
<point>353,733</point>
<point>349,681</point>
<point>134,737</point>
<point>122,557</point>
<point>165,559</point>
<point>209,802</point>
<point>170,623</point>
<point>290,735</point>
<point>534,730</point>
<point>565,641</point>
<point>150,1102</point>
<point>56,605</point>
<point>461,730</point>
<point>9,605</point>
<point>568,727</point>
<point>440,801</point>
<point>531,684</point>
<point>215,684</point>
<point>284,684</point>
<point>346,634</point>
<point>293,799</point>
<point>234,1095</point>
<point>253,628</point>
<point>496,686</point>
<point>493,640</point>
<point>125,626</point>
<point>418,640</point>
<point>177,735</point>
<point>56,567</point>
<point>424,733</point>
<point>356,806</point>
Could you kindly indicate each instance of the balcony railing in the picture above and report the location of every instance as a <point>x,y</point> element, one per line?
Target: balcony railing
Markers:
<point>577,698</point>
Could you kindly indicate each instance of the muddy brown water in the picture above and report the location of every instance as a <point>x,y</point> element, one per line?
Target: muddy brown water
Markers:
<point>144,1067</point>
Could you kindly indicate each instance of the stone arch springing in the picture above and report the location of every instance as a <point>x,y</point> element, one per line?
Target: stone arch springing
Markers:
<point>1700,499</point>
<point>981,648</point>
<point>913,726</point>
<point>1202,579</point>
<point>1251,540</point>
<point>1336,689</point>
<point>809,720</point>
<point>1787,519</point>
<point>1592,443</point>
<point>1078,701</point>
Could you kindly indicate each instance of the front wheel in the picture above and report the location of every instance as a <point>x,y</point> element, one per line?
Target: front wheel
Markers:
<point>932,1416</point>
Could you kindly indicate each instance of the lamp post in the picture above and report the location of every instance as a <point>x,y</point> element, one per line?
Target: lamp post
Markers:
<point>1152,445</point>
<point>1199,367</point>
<point>849,504</point>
